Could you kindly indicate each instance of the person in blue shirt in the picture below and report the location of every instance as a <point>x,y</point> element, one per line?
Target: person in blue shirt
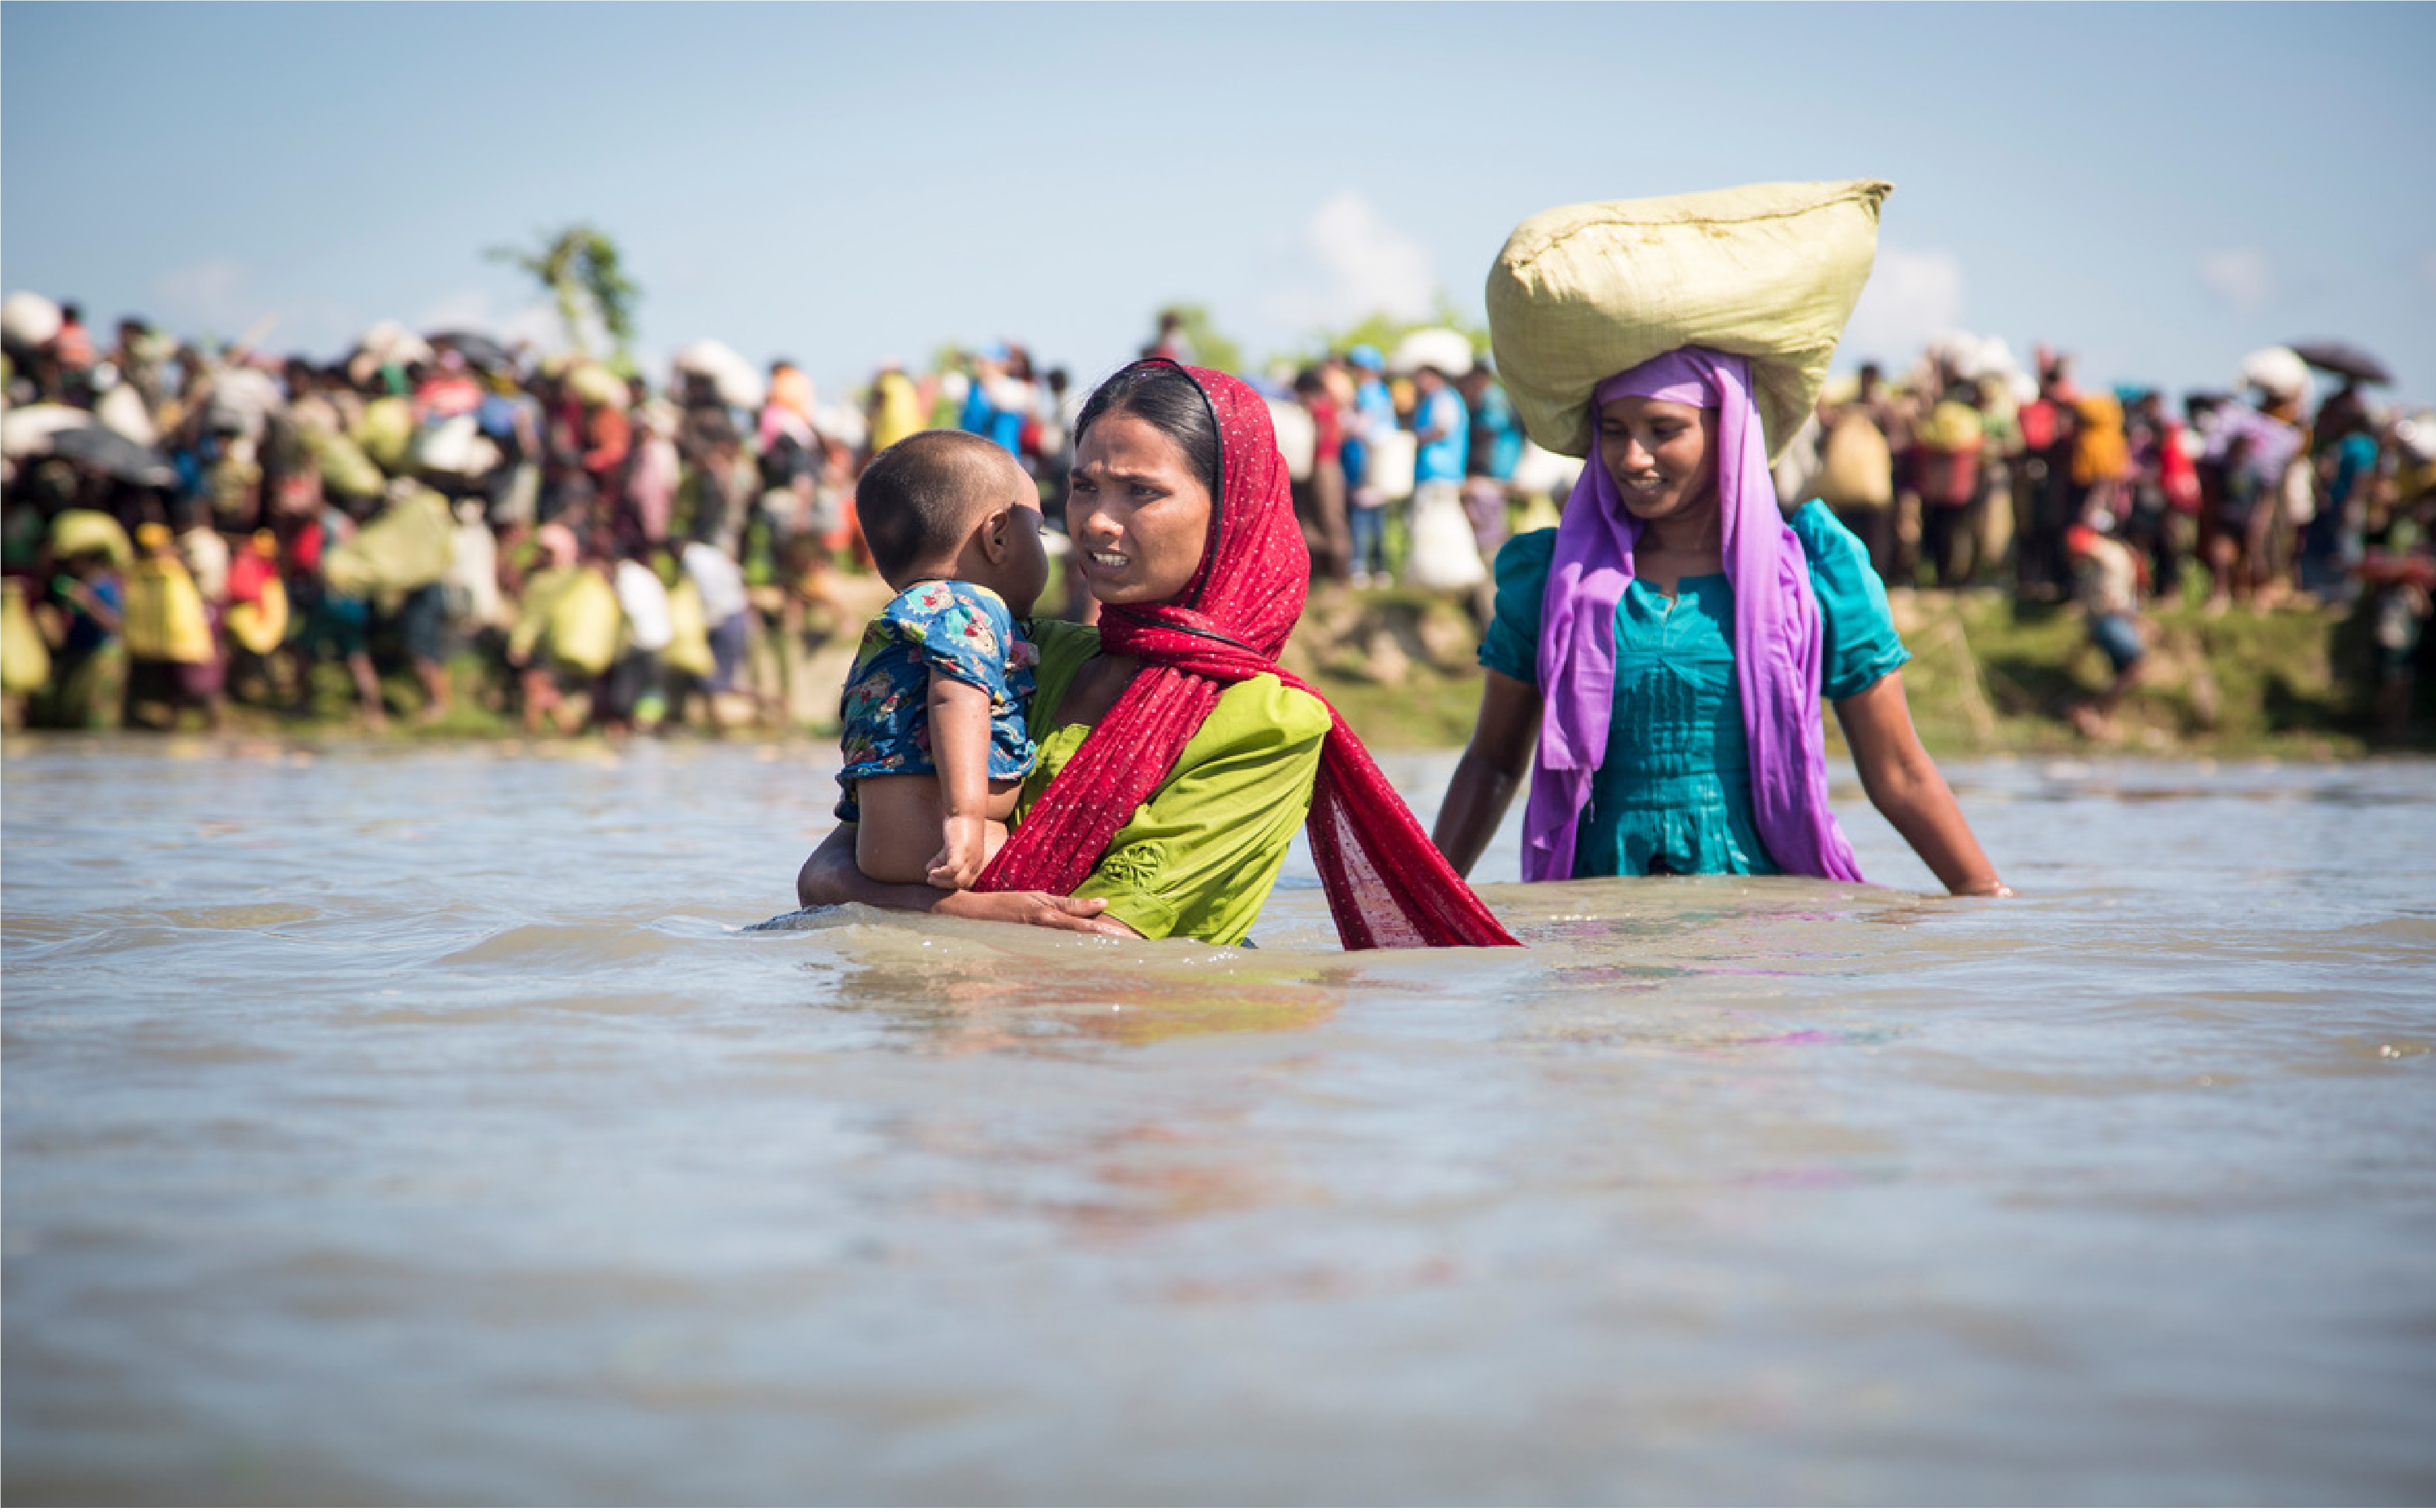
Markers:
<point>1441,428</point>
<point>1374,415</point>
<point>1488,467</point>
<point>996,404</point>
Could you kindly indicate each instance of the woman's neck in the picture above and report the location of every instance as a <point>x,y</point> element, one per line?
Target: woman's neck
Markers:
<point>1097,686</point>
<point>1688,545</point>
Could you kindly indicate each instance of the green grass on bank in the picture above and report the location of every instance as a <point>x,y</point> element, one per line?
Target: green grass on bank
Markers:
<point>1987,676</point>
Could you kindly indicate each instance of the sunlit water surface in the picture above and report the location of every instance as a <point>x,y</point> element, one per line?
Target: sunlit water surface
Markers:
<point>422,1125</point>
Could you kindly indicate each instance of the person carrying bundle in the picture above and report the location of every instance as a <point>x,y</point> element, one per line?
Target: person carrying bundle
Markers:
<point>1668,643</point>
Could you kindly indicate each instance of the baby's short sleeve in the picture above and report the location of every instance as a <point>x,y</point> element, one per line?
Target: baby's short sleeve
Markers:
<point>960,630</point>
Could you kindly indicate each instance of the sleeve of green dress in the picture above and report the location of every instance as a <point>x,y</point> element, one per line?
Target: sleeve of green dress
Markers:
<point>1513,644</point>
<point>1862,645</point>
<point>1198,858</point>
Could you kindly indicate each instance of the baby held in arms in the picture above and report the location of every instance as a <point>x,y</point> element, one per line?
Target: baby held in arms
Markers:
<point>933,713</point>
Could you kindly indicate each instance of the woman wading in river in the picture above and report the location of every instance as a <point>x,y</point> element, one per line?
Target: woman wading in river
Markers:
<point>1668,643</point>
<point>1176,758</point>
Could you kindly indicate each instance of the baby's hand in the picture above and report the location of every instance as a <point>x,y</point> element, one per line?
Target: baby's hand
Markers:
<point>960,861</point>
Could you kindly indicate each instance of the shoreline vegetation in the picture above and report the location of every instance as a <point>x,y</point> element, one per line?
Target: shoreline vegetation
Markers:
<point>1988,676</point>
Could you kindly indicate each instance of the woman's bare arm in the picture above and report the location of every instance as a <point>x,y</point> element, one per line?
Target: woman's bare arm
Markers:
<point>1906,786</point>
<point>1492,767</point>
<point>830,877</point>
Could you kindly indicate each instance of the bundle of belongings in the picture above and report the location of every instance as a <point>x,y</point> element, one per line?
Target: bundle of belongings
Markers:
<point>1769,272</point>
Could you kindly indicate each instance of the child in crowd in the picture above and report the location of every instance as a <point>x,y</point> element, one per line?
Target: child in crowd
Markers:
<point>934,737</point>
<point>2106,579</point>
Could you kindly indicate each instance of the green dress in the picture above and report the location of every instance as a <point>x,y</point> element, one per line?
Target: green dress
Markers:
<point>1198,857</point>
<point>1673,794</point>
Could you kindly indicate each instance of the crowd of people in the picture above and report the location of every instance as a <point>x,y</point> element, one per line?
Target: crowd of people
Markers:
<point>1972,472</point>
<point>185,526</point>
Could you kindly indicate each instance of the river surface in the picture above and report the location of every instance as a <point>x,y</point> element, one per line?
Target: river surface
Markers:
<point>420,1123</point>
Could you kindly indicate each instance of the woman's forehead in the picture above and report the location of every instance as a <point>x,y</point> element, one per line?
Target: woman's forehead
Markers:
<point>1632,406</point>
<point>1127,443</point>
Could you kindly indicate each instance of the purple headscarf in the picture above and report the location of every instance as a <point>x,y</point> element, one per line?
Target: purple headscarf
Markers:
<point>1778,639</point>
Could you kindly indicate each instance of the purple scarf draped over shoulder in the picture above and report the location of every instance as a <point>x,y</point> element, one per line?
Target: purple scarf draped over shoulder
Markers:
<point>1777,636</point>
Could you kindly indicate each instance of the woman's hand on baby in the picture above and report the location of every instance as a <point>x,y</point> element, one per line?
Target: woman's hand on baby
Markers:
<point>1045,910</point>
<point>966,851</point>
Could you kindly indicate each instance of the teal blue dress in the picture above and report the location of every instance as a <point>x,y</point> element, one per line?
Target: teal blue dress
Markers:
<point>1674,791</point>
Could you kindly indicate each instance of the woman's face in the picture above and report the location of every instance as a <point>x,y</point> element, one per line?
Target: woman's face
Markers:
<point>1137,513</point>
<point>1661,455</point>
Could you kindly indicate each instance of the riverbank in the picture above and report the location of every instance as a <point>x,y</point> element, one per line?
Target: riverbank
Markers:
<point>1988,676</point>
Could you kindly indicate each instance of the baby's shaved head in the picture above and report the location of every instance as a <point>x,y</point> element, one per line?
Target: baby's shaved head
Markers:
<point>918,499</point>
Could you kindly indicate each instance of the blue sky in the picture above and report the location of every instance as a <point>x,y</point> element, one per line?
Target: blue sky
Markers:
<point>2159,189</point>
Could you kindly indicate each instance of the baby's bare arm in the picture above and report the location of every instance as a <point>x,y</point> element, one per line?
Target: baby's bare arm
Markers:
<point>960,746</point>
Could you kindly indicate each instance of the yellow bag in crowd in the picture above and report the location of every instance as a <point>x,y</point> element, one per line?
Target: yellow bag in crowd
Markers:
<point>165,618</point>
<point>584,623</point>
<point>1769,272</point>
<point>404,546</point>
<point>90,533</point>
<point>1952,425</point>
<point>24,658</point>
<point>346,472</point>
<point>1856,470</point>
<point>386,431</point>
<point>259,625</point>
<point>689,651</point>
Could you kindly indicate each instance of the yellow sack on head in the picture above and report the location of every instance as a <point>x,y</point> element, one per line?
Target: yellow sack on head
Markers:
<point>1769,272</point>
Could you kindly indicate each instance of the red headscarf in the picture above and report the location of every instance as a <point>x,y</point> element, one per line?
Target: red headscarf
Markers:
<point>1387,885</point>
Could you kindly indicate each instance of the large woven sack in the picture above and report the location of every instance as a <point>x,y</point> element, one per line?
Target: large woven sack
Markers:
<point>1856,470</point>
<point>1390,466</point>
<point>407,546</point>
<point>165,618</point>
<point>583,622</point>
<point>1444,554</point>
<point>1769,272</point>
<point>1296,437</point>
<point>346,472</point>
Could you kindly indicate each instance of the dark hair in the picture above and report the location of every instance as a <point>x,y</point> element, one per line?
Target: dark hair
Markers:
<point>917,499</point>
<point>1163,396</point>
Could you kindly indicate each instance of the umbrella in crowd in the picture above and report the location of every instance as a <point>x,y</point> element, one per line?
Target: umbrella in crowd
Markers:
<point>2343,360</point>
<point>27,430</point>
<point>481,351</point>
<point>106,451</point>
<point>739,383</point>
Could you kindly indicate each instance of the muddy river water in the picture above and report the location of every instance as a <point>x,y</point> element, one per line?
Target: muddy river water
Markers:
<point>420,1124</point>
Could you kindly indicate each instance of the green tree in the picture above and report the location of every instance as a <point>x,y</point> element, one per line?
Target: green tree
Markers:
<point>579,269</point>
<point>1210,347</point>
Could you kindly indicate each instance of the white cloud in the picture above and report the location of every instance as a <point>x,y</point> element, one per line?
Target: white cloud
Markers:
<point>207,296</point>
<point>1912,298</point>
<point>2240,277</point>
<point>1346,263</point>
<point>215,301</point>
<point>477,309</point>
